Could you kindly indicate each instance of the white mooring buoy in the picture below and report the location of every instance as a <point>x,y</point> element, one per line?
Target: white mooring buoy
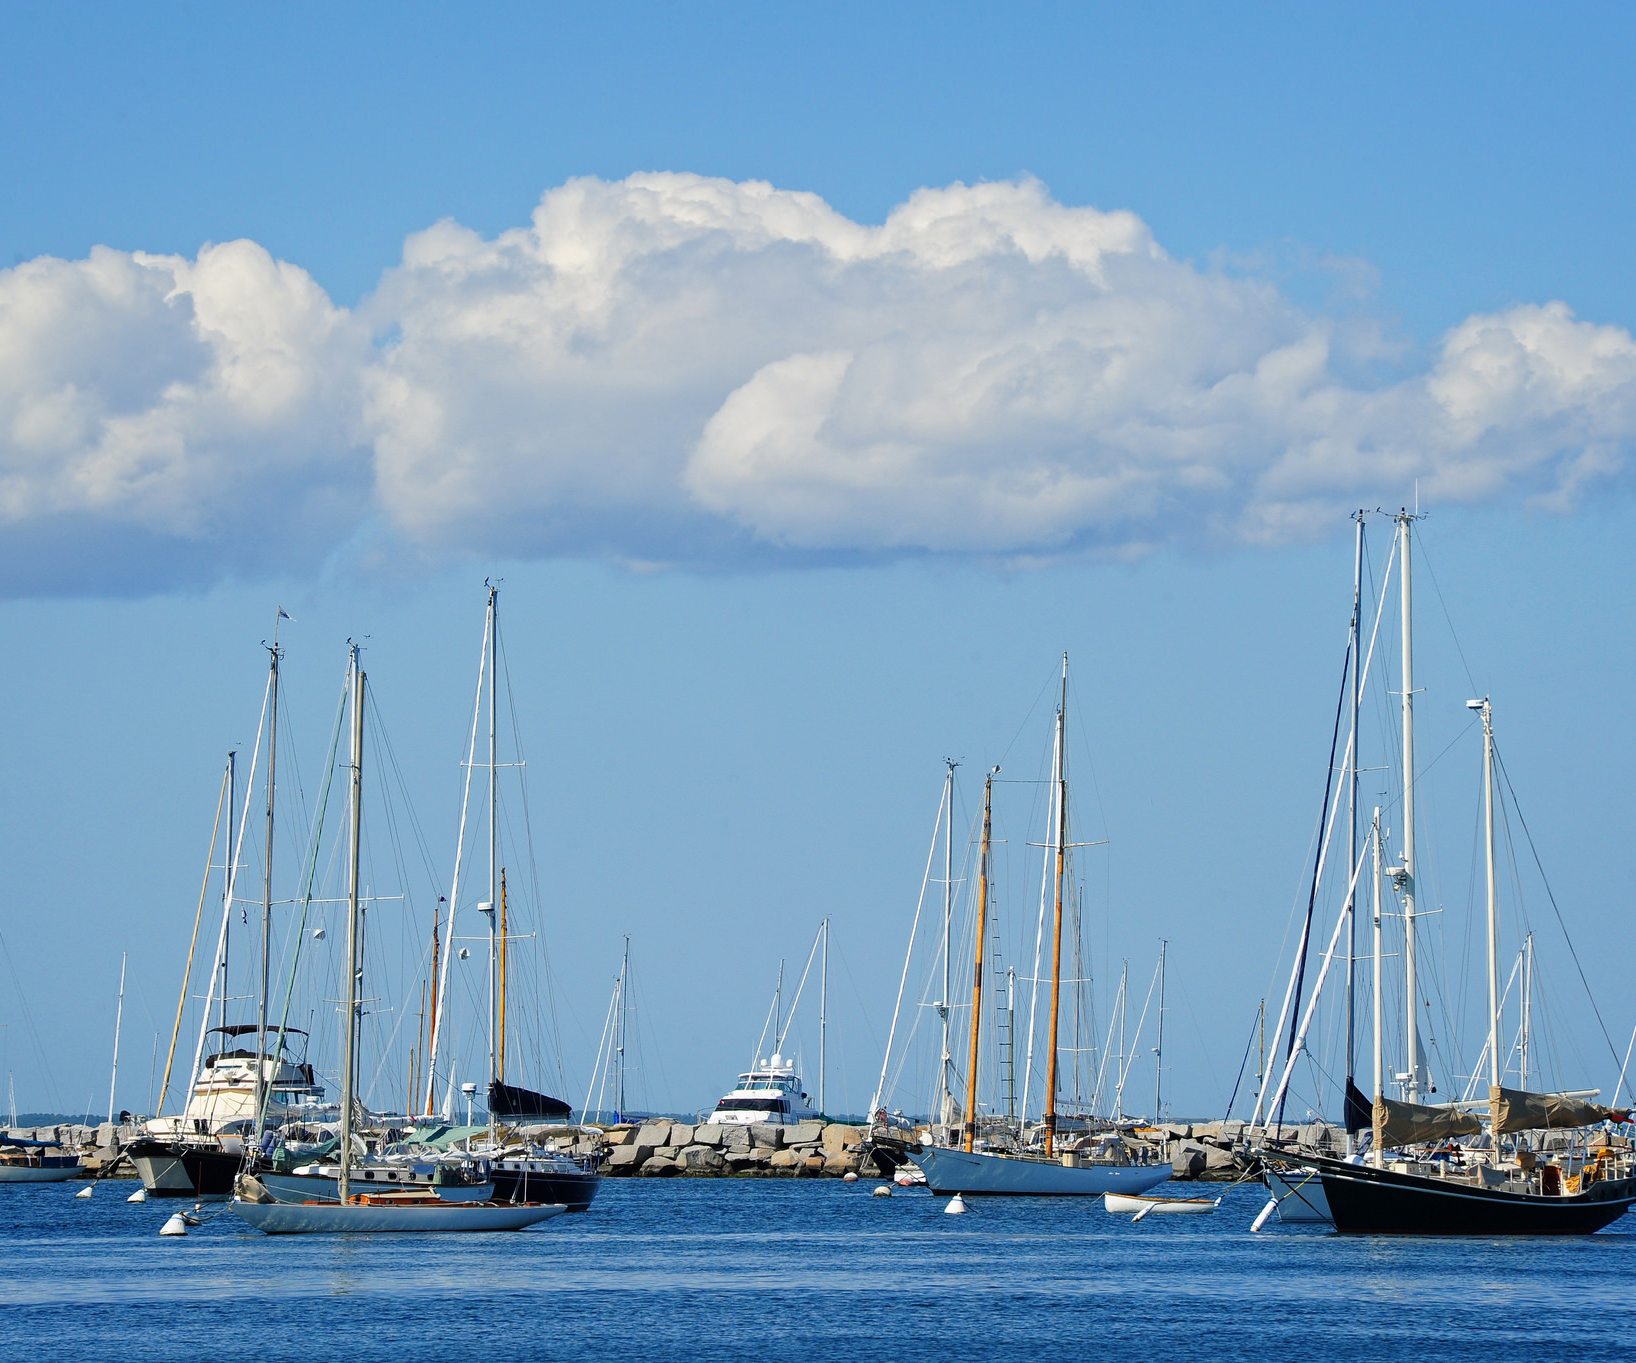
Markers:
<point>175,1226</point>
<point>1266,1211</point>
<point>956,1207</point>
<point>849,1177</point>
<point>885,1190</point>
<point>140,1195</point>
<point>86,1191</point>
<point>903,1178</point>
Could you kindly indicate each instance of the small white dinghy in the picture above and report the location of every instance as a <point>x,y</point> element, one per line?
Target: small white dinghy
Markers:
<point>1123,1204</point>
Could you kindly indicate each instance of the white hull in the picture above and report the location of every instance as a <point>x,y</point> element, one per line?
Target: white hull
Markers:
<point>956,1171</point>
<point>18,1173</point>
<point>1177,1206</point>
<point>1302,1200</point>
<point>332,1218</point>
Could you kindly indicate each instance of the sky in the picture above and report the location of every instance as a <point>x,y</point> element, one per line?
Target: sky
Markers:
<point>812,382</point>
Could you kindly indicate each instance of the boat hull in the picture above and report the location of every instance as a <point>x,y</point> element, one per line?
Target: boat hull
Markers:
<point>171,1170</point>
<point>33,1173</point>
<point>1125,1204</point>
<point>575,1189</point>
<point>334,1218</point>
<point>1364,1200</point>
<point>979,1173</point>
<point>1301,1199</point>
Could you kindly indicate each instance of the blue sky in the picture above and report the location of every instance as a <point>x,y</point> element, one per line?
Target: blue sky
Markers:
<point>766,565</point>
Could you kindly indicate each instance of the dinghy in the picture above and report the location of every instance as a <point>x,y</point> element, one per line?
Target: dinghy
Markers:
<point>1122,1204</point>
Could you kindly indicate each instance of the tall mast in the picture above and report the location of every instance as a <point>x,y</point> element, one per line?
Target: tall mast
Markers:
<point>619,1025</point>
<point>1050,1114</point>
<point>494,845</point>
<point>430,1055</point>
<point>267,880</point>
<point>1411,1032</point>
<point>823,1017</point>
<point>1486,708</point>
<point>1527,1011</point>
<point>945,1067</point>
<point>119,1019</point>
<point>228,866</point>
<point>1379,1090</point>
<point>500,1050</point>
<point>1119,1092</point>
<point>1159,1047</point>
<point>977,970</point>
<point>349,1054</point>
<point>1352,803</point>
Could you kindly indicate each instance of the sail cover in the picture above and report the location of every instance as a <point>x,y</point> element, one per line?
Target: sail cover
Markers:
<point>1358,1112</point>
<point>1398,1123</point>
<point>1514,1110</point>
<point>505,1100</point>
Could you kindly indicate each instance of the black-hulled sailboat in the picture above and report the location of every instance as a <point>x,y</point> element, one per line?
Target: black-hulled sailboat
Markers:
<point>1424,1173</point>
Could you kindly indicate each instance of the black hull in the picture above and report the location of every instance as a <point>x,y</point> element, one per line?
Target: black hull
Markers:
<point>184,1170</point>
<point>1364,1200</point>
<point>575,1191</point>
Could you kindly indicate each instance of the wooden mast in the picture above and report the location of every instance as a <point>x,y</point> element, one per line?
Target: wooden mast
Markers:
<point>1050,1114</point>
<point>977,972</point>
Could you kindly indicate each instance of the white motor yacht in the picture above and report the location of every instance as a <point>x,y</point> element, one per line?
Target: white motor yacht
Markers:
<point>770,1094</point>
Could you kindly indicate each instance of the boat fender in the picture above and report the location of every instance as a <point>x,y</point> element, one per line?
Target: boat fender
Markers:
<point>1261,1217</point>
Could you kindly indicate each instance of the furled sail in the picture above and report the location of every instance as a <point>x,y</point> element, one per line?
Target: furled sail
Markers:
<point>505,1100</point>
<point>1514,1110</point>
<point>1398,1123</point>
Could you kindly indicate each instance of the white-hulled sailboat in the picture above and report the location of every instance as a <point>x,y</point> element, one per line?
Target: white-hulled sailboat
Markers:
<point>1049,1171</point>
<point>398,1210</point>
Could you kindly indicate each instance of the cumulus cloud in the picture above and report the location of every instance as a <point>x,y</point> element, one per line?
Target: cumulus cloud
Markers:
<point>164,418</point>
<point>687,369</point>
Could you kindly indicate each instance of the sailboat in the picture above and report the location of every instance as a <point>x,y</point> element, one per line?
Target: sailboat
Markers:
<point>522,1172</point>
<point>1053,1169</point>
<point>1423,1175</point>
<point>351,1210</point>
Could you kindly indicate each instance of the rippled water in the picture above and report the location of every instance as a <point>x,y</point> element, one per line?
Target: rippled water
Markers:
<point>756,1269</point>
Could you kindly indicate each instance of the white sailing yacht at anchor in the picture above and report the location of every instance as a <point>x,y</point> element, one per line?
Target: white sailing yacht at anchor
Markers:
<point>1050,1169</point>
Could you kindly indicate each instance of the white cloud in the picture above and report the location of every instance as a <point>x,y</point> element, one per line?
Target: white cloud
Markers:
<point>160,414</point>
<point>686,369</point>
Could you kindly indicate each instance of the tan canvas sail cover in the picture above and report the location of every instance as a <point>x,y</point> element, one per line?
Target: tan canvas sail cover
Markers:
<point>1408,1123</point>
<point>1514,1110</point>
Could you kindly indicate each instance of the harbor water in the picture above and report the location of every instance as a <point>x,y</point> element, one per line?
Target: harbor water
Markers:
<point>751,1269</point>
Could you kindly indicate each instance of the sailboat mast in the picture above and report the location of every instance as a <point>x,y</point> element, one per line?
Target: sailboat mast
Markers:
<point>945,1066</point>
<point>228,866</point>
<point>500,1050</point>
<point>1411,1032</point>
<point>1352,804</point>
<point>494,845</point>
<point>349,1052</point>
<point>267,882</point>
<point>119,1019</point>
<point>1050,1113</point>
<point>1487,709</point>
<point>619,1084</point>
<point>1379,1091</point>
<point>1527,1011</point>
<point>1159,1047</point>
<point>823,1017</point>
<point>977,970</point>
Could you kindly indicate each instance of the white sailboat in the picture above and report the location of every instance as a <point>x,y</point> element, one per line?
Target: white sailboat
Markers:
<point>402,1209</point>
<point>1050,1169</point>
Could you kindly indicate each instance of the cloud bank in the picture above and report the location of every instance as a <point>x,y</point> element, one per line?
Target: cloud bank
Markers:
<point>680,369</point>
